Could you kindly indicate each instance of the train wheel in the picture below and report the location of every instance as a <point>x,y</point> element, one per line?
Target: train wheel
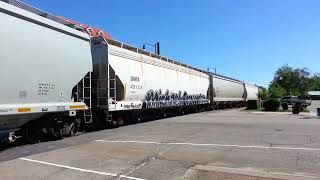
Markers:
<point>139,119</point>
<point>135,117</point>
<point>31,135</point>
<point>113,124</point>
<point>74,127</point>
<point>59,133</point>
<point>119,121</point>
<point>3,146</point>
<point>164,115</point>
<point>55,133</point>
<point>72,130</point>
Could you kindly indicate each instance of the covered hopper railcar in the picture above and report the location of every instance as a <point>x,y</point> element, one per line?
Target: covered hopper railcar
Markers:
<point>38,72</point>
<point>227,92</point>
<point>252,92</point>
<point>127,80</point>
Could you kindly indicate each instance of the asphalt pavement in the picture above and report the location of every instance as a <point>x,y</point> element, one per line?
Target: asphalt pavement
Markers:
<point>173,148</point>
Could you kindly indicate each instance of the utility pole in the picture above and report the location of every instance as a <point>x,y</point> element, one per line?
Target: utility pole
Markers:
<point>215,69</point>
<point>155,46</point>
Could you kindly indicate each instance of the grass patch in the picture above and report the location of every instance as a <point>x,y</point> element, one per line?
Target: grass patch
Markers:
<point>282,110</point>
<point>306,110</point>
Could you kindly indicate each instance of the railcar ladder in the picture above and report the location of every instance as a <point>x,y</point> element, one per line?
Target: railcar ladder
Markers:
<point>87,97</point>
<point>112,97</point>
<point>106,94</point>
<point>112,91</point>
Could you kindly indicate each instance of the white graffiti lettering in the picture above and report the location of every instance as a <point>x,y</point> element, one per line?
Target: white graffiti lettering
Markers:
<point>132,106</point>
<point>157,99</point>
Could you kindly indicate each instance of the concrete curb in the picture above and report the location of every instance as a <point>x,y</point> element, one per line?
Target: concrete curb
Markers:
<point>204,172</point>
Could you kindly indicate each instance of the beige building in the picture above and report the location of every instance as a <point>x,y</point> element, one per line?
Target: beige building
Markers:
<point>315,95</point>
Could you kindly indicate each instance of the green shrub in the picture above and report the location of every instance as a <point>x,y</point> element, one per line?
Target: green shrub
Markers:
<point>271,105</point>
<point>252,104</point>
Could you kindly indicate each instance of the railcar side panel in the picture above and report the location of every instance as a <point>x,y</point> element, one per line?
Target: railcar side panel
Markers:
<point>227,90</point>
<point>152,83</point>
<point>252,92</point>
<point>41,62</point>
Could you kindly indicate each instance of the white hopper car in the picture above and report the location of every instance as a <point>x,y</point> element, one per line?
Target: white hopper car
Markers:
<point>38,69</point>
<point>252,92</point>
<point>56,80</point>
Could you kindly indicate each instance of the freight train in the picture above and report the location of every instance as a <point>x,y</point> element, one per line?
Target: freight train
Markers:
<point>57,80</point>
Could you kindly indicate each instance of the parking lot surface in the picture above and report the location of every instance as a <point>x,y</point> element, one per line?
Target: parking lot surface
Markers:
<point>313,108</point>
<point>169,148</point>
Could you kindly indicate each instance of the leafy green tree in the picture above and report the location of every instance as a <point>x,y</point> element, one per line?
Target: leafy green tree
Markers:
<point>304,81</point>
<point>290,81</point>
<point>294,81</point>
<point>263,93</point>
<point>315,83</point>
<point>287,78</point>
<point>276,91</point>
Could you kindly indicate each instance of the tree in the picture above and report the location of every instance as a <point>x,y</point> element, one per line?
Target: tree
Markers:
<point>315,83</point>
<point>294,81</point>
<point>303,82</point>
<point>263,93</point>
<point>287,78</point>
<point>276,91</point>
<point>290,81</point>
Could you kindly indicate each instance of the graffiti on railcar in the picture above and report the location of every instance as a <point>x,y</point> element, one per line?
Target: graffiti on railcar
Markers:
<point>132,106</point>
<point>160,99</point>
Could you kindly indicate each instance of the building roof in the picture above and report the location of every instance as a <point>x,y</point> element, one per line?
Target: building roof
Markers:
<point>314,93</point>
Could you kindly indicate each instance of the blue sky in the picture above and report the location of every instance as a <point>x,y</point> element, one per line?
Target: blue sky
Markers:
<point>244,39</point>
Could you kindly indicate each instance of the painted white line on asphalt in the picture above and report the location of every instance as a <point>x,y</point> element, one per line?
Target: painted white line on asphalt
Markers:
<point>216,145</point>
<point>80,169</point>
<point>129,177</point>
<point>254,172</point>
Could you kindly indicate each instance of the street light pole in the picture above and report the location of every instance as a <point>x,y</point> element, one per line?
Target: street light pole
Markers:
<point>155,46</point>
<point>215,69</point>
